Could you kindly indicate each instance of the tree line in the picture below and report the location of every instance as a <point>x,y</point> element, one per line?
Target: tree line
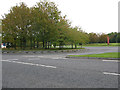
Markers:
<point>42,26</point>
<point>114,37</point>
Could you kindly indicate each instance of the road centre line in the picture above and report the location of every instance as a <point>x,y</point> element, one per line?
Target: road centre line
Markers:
<point>32,64</point>
<point>110,60</point>
<point>108,73</point>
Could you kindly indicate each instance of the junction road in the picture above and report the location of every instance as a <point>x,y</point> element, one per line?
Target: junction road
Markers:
<point>56,71</point>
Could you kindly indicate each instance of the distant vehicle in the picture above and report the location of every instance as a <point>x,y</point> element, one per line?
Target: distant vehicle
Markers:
<point>3,45</point>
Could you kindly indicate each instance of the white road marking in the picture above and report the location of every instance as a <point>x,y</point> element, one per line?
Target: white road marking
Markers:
<point>32,56</point>
<point>30,64</point>
<point>47,57</point>
<point>39,56</point>
<point>29,56</point>
<point>55,58</point>
<point>116,74</point>
<point>110,60</point>
<point>59,58</point>
<point>12,59</point>
<point>34,59</point>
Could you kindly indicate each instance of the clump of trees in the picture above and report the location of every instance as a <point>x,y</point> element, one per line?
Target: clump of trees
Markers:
<point>40,26</point>
<point>114,37</point>
<point>97,38</point>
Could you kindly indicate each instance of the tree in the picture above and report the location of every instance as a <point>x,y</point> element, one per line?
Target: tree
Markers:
<point>46,16</point>
<point>43,24</point>
<point>113,37</point>
<point>118,38</point>
<point>77,36</point>
<point>102,38</point>
<point>16,24</point>
<point>93,37</point>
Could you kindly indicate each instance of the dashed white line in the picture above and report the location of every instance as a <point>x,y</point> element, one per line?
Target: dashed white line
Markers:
<point>39,56</point>
<point>11,59</point>
<point>110,60</point>
<point>32,56</point>
<point>34,59</point>
<point>108,73</point>
<point>47,57</point>
<point>59,58</point>
<point>30,64</point>
<point>29,56</point>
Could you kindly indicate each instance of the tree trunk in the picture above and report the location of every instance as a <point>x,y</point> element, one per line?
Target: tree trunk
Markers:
<point>24,43</point>
<point>30,43</point>
<point>37,44</point>
<point>72,46</point>
<point>75,46</point>
<point>48,45</point>
<point>15,43</point>
<point>34,44</point>
<point>20,43</point>
<point>15,46</point>
<point>43,44</point>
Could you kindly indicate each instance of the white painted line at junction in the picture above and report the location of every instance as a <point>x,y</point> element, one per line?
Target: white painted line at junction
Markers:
<point>39,56</point>
<point>108,73</point>
<point>64,58</point>
<point>28,56</point>
<point>32,56</point>
<point>30,64</point>
<point>33,59</point>
<point>110,60</point>
<point>59,58</point>
<point>11,59</point>
<point>56,58</point>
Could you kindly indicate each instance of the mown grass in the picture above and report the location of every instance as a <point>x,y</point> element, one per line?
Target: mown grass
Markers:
<point>102,44</point>
<point>104,55</point>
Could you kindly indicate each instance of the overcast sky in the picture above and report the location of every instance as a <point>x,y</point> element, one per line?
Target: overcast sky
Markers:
<point>99,16</point>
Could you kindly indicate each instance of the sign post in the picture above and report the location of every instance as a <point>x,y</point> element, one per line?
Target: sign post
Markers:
<point>107,40</point>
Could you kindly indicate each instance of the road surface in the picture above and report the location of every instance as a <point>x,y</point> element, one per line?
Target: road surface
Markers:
<point>56,71</point>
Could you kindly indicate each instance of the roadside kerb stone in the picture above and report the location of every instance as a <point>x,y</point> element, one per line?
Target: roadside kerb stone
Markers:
<point>41,51</point>
<point>93,58</point>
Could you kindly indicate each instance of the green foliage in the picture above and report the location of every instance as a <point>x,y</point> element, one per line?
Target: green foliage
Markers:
<point>93,37</point>
<point>97,38</point>
<point>118,38</point>
<point>113,37</point>
<point>42,24</point>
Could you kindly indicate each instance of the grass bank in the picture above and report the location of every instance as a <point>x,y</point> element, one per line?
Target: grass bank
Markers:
<point>103,55</point>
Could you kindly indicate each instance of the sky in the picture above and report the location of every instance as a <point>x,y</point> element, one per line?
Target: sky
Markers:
<point>98,16</point>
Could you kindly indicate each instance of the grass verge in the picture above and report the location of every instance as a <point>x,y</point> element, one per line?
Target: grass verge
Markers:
<point>102,44</point>
<point>103,55</point>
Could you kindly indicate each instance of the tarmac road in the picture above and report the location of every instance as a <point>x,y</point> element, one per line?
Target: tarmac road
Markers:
<point>56,71</point>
